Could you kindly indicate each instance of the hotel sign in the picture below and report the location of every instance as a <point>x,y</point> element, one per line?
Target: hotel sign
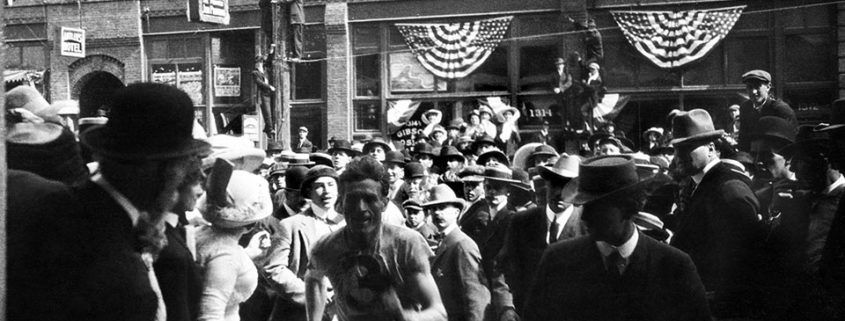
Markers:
<point>72,42</point>
<point>211,11</point>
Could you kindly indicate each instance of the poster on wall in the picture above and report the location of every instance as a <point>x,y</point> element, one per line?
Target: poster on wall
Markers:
<point>164,74</point>
<point>408,75</point>
<point>191,83</point>
<point>251,127</point>
<point>211,11</point>
<point>227,81</point>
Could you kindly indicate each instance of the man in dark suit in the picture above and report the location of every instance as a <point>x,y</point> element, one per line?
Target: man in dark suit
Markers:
<point>475,216</point>
<point>719,227</point>
<point>301,144</point>
<point>531,231</point>
<point>615,273</point>
<point>832,265</point>
<point>497,181</point>
<point>456,266</point>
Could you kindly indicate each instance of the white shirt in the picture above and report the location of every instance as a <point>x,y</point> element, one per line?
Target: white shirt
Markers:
<point>495,210</point>
<point>449,229</point>
<point>625,250</point>
<point>697,177</point>
<point>839,182</point>
<point>561,219</point>
<point>328,220</point>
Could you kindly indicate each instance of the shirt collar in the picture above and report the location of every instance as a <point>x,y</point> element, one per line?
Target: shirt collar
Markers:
<point>450,229</point>
<point>836,184</point>
<point>495,210</point>
<point>625,250</point>
<point>328,215</point>
<point>561,217</point>
<point>118,197</point>
<point>171,219</point>
<point>698,177</point>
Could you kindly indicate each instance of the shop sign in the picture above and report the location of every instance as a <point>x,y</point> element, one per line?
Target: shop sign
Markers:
<point>211,11</point>
<point>251,127</point>
<point>227,81</point>
<point>72,42</point>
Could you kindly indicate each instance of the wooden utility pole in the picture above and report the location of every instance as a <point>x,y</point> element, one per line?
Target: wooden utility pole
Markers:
<point>3,189</point>
<point>281,73</point>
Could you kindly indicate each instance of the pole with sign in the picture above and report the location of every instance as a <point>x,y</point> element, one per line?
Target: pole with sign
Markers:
<point>72,42</point>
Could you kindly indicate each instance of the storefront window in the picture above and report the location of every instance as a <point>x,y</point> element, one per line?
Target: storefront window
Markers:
<point>408,75</point>
<point>367,76</point>
<point>185,76</point>
<point>367,115</point>
<point>620,63</point>
<point>537,67</point>
<point>811,56</point>
<point>490,76</point>
<point>308,80</point>
<point>744,54</point>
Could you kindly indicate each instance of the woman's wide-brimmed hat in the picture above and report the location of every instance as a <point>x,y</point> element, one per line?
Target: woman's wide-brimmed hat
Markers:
<point>237,150</point>
<point>147,121</point>
<point>500,113</point>
<point>694,125</point>
<point>443,194</point>
<point>656,130</point>
<point>244,202</point>
<point>495,153</point>
<point>429,113</point>
<point>342,145</point>
<point>602,176</point>
<point>378,141</point>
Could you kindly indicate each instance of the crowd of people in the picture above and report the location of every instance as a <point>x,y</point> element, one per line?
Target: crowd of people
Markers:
<point>142,217</point>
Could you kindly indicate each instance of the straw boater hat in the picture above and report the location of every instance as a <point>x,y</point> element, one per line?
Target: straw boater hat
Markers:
<point>565,168</point>
<point>497,154</point>
<point>837,116</point>
<point>443,194</point>
<point>313,174</point>
<point>603,176</point>
<point>694,125</point>
<point>321,158</point>
<point>147,122</point>
<point>244,202</point>
<point>499,174</point>
<point>297,159</point>
<point>429,113</point>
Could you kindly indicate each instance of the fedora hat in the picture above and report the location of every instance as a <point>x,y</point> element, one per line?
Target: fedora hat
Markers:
<point>807,139</point>
<point>484,139</point>
<point>414,170</point>
<point>565,168</point>
<point>321,158</point>
<point>424,149</point>
<point>147,121</point>
<point>294,176</point>
<point>246,201</point>
<point>774,132</point>
<point>499,173</point>
<point>497,154</point>
<point>412,204</point>
<point>542,150</point>
<point>313,174</point>
<point>837,116</point>
<point>473,173</point>
<point>694,125</point>
<point>443,194</point>
<point>602,176</point>
<point>449,151</point>
<point>237,150</point>
<point>378,141</point>
<point>394,157</point>
<point>523,180</point>
<point>429,113</point>
<point>342,145</point>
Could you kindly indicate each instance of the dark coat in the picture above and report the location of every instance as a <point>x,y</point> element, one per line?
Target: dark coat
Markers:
<point>456,268</point>
<point>475,220</point>
<point>301,146</point>
<point>748,117</point>
<point>721,232</point>
<point>525,242</point>
<point>832,265</point>
<point>572,283</point>
<point>492,242</point>
<point>179,277</point>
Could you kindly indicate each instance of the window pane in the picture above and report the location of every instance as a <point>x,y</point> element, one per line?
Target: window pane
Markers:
<point>314,42</point>
<point>308,83</point>
<point>195,49</point>
<point>810,57</point>
<point>164,73</point>
<point>651,75</point>
<point>158,49</point>
<point>367,75</point>
<point>33,57</point>
<point>366,39</point>
<point>492,75</point>
<point>190,80</point>
<point>811,105</point>
<point>706,71</point>
<point>746,54</point>
<point>408,75</point>
<point>367,115</point>
<point>396,38</point>
<point>620,61</point>
<point>537,67</point>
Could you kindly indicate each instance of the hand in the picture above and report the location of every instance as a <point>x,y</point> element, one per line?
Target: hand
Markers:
<point>557,90</point>
<point>258,243</point>
<point>508,315</point>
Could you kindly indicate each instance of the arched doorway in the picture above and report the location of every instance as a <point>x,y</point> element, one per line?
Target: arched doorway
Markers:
<point>95,91</point>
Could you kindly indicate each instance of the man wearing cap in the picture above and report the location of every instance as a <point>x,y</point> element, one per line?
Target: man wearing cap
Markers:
<point>832,265</point>
<point>417,220</point>
<point>377,271</point>
<point>475,216</point>
<point>761,102</point>
<point>342,153</point>
<point>297,234</point>
<point>615,273</point>
<point>456,266</point>
<point>719,227</point>
<point>531,231</point>
<point>301,144</point>
<point>497,182</point>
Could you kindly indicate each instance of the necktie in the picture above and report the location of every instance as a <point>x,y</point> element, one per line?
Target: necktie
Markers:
<point>616,263</point>
<point>553,228</point>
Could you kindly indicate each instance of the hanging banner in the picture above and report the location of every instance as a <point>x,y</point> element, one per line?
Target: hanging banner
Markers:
<point>454,50</point>
<point>211,11</point>
<point>673,39</point>
<point>72,42</point>
<point>227,81</point>
<point>404,120</point>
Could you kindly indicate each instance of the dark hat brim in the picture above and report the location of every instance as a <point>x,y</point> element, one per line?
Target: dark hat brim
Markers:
<point>550,173</point>
<point>499,179</point>
<point>698,137</point>
<point>100,142</point>
<point>351,151</point>
<point>582,198</point>
<point>458,202</point>
<point>802,146</point>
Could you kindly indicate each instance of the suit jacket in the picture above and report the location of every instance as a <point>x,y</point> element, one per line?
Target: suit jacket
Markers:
<point>525,242</point>
<point>456,268</point>
<point>572,283</point>
<point>289,262</point>
<point>475,220</point>
<point>302,146</point>
<point>720,231</point>
<point>179,277</point>
<point>832,265</point>
<point>492,242</point>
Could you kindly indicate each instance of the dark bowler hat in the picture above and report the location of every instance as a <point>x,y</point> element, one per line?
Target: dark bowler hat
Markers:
<point>523,180</point>
<point>807,139</point>
<point>424,149</point>
<point>320,158</point>
<point>449,151</point>
<point>378,141</point>
<point>472,173</point>
<point>837,116</point>
<point>774,131</point>
<point>275,147</point>
<point>486,139</point>
<point>342,145</point>
<point>443,194</point>
<point>694,125</point>
<point>407,155</point>
<point>757,74</point>
<point>602,176</point>
<point>313,174</point>
<point>414,170</point>
<point>497,154</point>
<point>542,150</point>
<point>395,157</point>
<point>565,168</point>
<point>147,121</point>
<point>294,177</point>
<point>499,173</point>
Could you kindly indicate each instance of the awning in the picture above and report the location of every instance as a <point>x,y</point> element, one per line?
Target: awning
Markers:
<point>16,76</point>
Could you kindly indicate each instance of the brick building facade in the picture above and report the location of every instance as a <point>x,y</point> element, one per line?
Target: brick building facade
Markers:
<point>343,88</point>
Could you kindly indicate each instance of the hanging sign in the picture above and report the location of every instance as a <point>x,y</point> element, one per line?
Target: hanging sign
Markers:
<point>72,42</point>
<point>211,11</point>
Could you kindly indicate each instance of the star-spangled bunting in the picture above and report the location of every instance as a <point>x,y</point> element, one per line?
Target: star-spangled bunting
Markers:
<point>454,50</point>
<point>673,39</point>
